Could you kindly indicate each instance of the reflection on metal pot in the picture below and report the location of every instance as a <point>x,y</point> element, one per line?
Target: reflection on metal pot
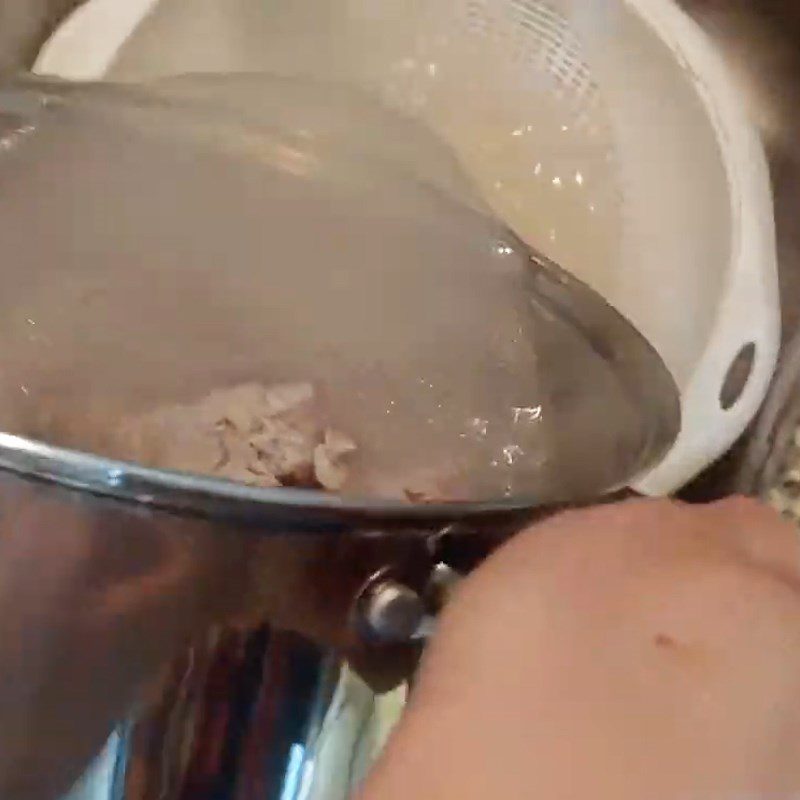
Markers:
<point>248,715</point>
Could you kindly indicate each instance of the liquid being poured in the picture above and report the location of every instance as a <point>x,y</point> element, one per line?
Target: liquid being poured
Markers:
<point>158,260</point>
<point>539,176</point>
<point>544,166</point>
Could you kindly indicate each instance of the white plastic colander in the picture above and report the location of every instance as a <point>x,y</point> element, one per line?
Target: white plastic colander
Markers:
<point>606,132</point>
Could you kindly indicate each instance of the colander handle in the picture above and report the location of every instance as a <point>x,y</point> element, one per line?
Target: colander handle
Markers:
<point>731,379</point>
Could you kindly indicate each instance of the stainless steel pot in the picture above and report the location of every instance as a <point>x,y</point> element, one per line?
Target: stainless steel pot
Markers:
<point>148,562</point>
<point>110,570</point>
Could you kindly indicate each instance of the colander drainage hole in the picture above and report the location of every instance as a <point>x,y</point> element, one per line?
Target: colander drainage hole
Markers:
<point>738,374</point>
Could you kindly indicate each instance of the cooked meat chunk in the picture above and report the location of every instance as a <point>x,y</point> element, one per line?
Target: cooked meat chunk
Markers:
<point>260,435</point>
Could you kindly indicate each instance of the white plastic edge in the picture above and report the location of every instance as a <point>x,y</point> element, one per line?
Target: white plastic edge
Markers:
<point>749,309</point>
<point>84,46</point>
<point>751,293</point>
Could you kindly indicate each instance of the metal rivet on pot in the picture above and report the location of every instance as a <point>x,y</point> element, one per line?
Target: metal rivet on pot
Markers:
<point>391,611</point>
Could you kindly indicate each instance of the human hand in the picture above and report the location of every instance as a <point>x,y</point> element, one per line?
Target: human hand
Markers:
<point>644,651</point>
